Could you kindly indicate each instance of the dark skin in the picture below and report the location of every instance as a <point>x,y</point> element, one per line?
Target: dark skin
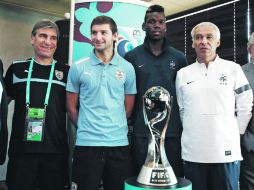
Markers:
<point>155,28</point>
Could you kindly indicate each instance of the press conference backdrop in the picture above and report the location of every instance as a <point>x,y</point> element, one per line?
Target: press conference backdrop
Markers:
<point>128,15</point>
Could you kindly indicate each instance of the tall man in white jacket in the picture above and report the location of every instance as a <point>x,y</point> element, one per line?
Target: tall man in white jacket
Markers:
<point>215,102</point>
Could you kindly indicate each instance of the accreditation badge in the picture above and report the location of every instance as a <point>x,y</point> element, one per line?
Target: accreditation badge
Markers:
<point>35,124</point>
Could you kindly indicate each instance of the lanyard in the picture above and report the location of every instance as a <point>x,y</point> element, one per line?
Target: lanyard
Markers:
<point>29,81</point>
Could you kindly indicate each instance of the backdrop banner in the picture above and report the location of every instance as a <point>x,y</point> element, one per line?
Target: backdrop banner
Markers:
<point>128,15</point>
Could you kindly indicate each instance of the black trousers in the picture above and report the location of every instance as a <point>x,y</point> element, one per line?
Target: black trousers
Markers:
<point>37,171</point>
<point>91,164</point>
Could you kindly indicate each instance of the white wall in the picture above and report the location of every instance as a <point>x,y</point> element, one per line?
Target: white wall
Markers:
<point>15,28</point>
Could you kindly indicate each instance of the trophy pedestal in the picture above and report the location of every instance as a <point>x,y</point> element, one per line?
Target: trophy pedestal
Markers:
<point>132,184</point>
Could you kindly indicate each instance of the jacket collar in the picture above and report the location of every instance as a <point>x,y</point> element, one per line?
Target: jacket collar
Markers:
<point>165,45</point>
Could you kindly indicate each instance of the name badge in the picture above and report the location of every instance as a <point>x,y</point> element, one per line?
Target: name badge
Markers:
<point>35,121</point>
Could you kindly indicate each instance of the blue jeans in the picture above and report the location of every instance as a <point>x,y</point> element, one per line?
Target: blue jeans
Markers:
<point>213,176</point>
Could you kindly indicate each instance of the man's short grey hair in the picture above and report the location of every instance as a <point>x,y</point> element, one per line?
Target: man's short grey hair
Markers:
<point>216,29</point>
<point>251,40</point>
<point>45,23</point>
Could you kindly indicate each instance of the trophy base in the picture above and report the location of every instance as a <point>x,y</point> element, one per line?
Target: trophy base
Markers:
<point>159,176</point>
<point>132,184</point>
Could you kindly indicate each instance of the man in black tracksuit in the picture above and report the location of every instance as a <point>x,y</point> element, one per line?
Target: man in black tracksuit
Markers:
<point>38,149</point>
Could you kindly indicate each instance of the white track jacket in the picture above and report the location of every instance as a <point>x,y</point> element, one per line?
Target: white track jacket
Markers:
<point>215,107</point>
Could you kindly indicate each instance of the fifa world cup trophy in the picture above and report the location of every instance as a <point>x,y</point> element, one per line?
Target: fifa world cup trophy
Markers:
<point>156,170</point>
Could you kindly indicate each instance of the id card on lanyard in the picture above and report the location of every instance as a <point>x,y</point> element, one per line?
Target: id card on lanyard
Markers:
<point>35,117</point>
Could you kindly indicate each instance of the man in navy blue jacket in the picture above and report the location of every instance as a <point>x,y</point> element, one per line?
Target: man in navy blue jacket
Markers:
<point>156,63</point>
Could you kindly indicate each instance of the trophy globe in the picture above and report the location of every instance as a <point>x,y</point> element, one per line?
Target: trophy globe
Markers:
<point>156,99</point>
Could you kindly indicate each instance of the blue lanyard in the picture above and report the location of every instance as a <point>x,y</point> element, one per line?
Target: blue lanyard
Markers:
<point>29,81</point>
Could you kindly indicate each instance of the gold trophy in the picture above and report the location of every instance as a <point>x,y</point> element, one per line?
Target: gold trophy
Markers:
<point>156,170</point>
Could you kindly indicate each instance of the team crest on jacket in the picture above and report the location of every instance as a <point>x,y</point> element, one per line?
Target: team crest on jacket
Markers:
<point>119,74</point>
<point>172,65</point>
<point>59,74</point>
<point>223,79</point>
